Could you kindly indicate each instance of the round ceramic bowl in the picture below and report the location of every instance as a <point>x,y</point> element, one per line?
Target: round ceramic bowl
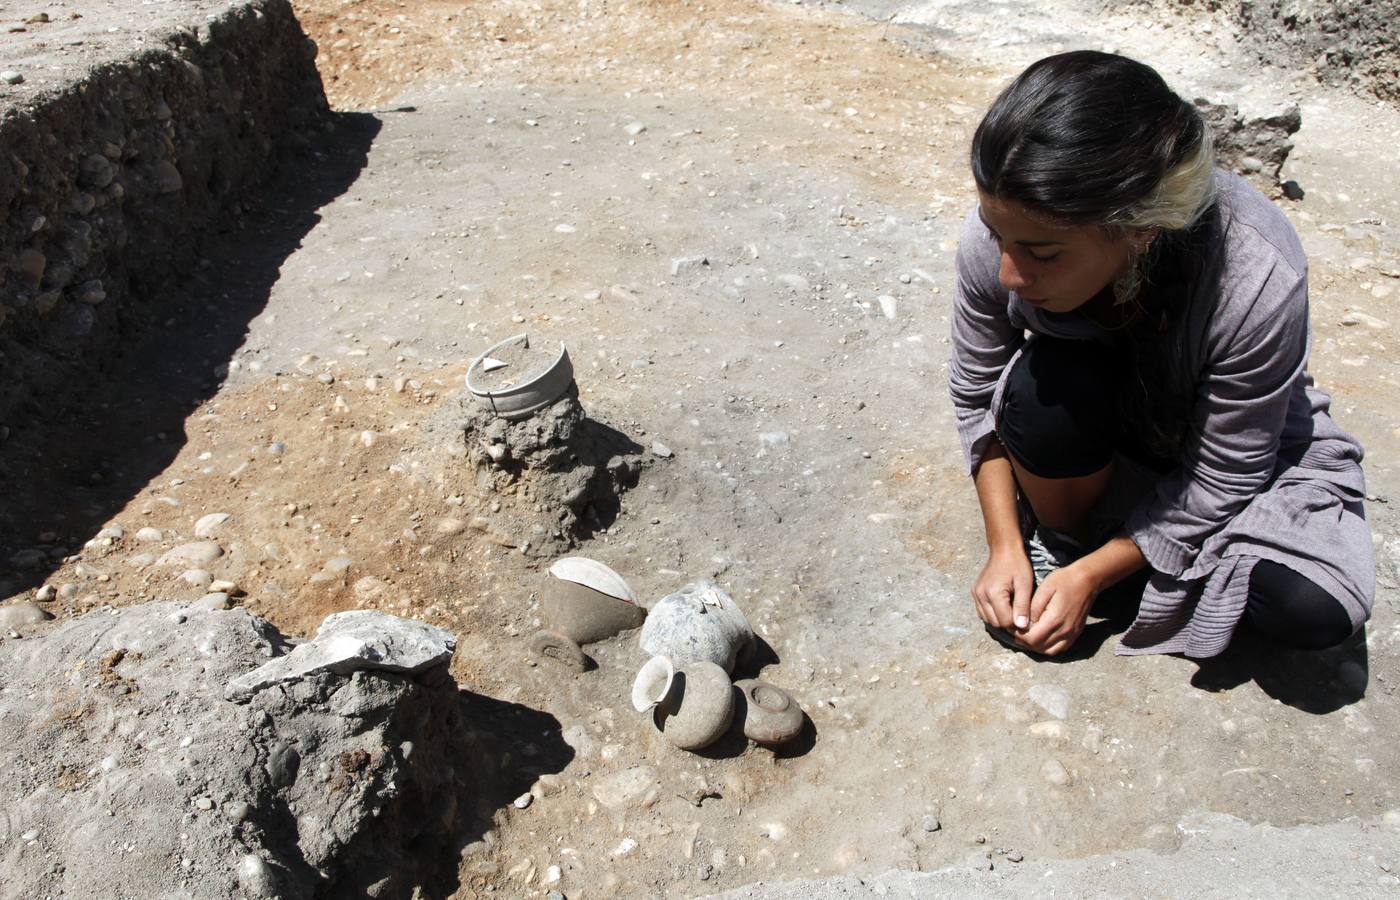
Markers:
<point>514,380</point>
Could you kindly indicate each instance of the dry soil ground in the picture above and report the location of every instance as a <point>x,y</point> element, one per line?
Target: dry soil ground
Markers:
<point>815,158</point>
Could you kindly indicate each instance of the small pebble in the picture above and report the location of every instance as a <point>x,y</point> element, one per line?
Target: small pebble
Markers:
<point>931,824</point>
<point>661,450</point>
<point>204,803</point>
<point>523,800</point>
<point>214,600</point>
<point>1054,772</point>
<point>1015,856</point>
<point>30,835</point>
<point>10,76</point>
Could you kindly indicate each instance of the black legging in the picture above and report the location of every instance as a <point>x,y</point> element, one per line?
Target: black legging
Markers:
<point>1058,421</point>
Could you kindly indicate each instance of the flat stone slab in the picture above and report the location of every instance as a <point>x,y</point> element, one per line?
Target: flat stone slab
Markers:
<point>351,641</point>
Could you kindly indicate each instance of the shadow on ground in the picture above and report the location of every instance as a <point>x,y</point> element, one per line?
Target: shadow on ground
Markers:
<point>1318,682</point>
<point>64,474</point>
<point>506,748</point>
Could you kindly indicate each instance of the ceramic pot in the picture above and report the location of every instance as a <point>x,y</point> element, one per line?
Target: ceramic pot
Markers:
<point>770,715</point>
<point>586,615</point>
<point>698,622</point>
<point>593,574</point>
<point>545,380</point>
<point>698,708</point>
<point>588,601</point>
<point>653,683</point>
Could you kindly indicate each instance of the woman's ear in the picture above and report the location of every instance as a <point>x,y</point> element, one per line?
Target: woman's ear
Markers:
<point>1144,237</point>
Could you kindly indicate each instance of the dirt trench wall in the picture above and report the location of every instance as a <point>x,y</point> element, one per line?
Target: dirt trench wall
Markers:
<point>1349,41</point>
<point>110,181</point>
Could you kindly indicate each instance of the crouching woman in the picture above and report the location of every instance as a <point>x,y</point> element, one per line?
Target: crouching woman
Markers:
<point>1129,371</point>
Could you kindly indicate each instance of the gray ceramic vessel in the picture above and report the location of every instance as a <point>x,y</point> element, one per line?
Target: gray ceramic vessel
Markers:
<point>771,716</point>
<point>699,707</point>
<point>698,622</point>
<point>520,400</point>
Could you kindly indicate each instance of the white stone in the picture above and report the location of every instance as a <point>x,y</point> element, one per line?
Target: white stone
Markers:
<point>1052,699</point>
<point>212,600</point>
<point>255,877</point>
<point>196,553</point>
<point>19,614</point>
<point>1054,772</point>
<point>197,577</point>
<point>208,526</point>
<point>630,788</point>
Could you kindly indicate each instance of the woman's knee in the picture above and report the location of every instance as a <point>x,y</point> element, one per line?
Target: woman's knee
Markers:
<point>1293,610</point>
<point>1057,408</point>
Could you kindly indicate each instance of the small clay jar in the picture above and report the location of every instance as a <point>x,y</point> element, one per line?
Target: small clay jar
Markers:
<point>699,707</point>
<point>771,716</point>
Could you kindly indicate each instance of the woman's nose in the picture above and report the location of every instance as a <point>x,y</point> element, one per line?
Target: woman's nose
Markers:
<point>1012,276</point>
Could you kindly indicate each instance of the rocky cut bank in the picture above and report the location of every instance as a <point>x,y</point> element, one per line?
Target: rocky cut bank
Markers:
<point>111,178</point>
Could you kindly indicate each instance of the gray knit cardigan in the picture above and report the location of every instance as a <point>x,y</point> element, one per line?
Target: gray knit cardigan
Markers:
<point>1268,474</point>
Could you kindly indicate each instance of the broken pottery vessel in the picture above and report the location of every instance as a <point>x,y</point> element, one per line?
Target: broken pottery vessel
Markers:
<point>560,648</point>
<point>698,706</point>
<point>514,380</point>
<point>771,716</point>
<point>698,622</point>
<point>586,601</point>
<point>653,683</point>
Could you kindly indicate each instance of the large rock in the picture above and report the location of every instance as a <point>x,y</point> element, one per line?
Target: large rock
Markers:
<point>127,773</point>
<point>1256,146</point>
<point>353,641</point>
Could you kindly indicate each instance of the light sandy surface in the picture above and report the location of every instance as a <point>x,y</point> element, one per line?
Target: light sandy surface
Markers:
<point>815,158</point>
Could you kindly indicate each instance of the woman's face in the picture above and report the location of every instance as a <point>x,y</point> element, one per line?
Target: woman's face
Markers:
<point>1053,267</point>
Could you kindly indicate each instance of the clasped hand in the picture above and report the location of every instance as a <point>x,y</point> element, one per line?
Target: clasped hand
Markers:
<point>1046,618</point>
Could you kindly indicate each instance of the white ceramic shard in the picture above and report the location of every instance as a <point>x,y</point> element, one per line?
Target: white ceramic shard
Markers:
<point>592,574</point>
<point>652,683</point>
<point>491,364</point>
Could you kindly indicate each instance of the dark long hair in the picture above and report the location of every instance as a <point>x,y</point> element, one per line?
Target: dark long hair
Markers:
<point>1089,138</point>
